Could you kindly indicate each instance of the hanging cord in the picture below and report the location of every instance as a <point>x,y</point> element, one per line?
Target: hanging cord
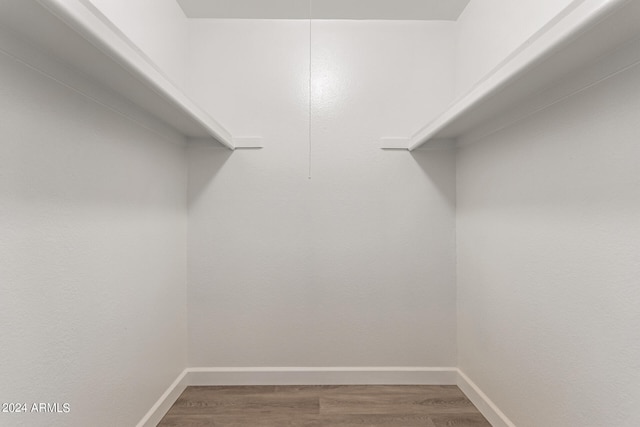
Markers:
<point>310,87</point>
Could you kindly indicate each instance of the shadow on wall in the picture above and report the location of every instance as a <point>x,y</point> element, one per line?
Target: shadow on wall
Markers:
<point>215,155</point>
<point>438,165</point>
<point>207,160</point>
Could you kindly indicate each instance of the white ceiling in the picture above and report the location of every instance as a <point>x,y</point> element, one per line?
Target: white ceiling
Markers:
<point>447,10</point>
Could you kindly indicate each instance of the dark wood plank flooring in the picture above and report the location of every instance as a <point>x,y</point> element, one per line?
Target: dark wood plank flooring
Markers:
<point>317,406</point>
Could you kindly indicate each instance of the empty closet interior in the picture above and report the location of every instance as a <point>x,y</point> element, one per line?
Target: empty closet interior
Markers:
<point>234,192</point>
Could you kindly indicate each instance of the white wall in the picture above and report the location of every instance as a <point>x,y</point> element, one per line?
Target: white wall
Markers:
<point>548,237</point>
<point>490,30</point>
<point>158,27</point>
<point>92,256</point>
<point>354,267</point>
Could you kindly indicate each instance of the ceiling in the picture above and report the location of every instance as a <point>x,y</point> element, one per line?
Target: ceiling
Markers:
<point>438,10</point>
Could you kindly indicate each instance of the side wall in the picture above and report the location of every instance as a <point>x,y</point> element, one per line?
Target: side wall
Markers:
<point>490,30</point>
<point>92,256</point>
<point>548,236</point>
<point>355,266</point>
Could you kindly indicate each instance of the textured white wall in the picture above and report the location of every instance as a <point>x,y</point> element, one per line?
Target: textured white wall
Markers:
<point>158,27</point>
<point>548,239</point>
<point>489,30</point>
<point>92,256</point>
<point>354,267</point>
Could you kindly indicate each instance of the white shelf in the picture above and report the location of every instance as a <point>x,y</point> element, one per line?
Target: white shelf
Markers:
<point>79,36</point>
<point>568,44</point>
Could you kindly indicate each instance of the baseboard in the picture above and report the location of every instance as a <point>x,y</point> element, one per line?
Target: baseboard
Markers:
<point>322,376</point>
<point>489,409</point>
<point>168,398</point>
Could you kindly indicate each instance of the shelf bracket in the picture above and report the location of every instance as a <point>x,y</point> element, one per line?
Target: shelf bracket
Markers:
<point>394,143</point>
<point>248,143</point>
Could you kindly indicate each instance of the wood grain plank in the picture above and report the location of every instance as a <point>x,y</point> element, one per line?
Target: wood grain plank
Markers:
<point>213,402</point>
<point>426,401</point>
<point>466,420</point>
<point>300,421</point>
<point>227,390</point>
<point>373,390</point>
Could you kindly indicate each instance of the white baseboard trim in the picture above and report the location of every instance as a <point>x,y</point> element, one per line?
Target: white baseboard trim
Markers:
<point>489,409</point>
<point>322,376</point>
<point>168,398</point>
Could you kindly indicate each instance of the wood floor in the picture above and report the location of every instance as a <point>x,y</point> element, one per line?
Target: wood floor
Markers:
<point>316,406</point>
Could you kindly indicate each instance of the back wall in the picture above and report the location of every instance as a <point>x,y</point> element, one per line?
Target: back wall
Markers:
<point>355,266</point>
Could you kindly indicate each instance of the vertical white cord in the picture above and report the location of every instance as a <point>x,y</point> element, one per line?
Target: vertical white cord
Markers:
<point>310,87</point>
